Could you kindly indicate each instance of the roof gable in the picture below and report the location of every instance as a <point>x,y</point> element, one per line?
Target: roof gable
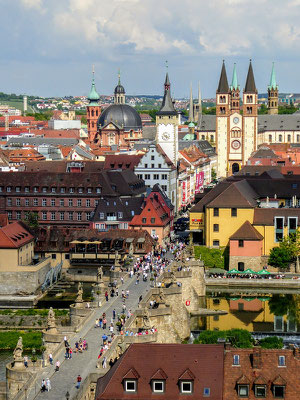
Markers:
<point>243,380</point>
<point>187,375</point>
<point>131,374</point>
<point>246,232</point>
<point>159,374</point>
<point>240,194</point>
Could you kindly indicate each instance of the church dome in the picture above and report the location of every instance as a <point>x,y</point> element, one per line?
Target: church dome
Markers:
<point>123,115</point>
<point>119,89</point>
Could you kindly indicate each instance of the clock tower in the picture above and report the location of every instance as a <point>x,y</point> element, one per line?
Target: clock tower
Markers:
<point>167,121</point>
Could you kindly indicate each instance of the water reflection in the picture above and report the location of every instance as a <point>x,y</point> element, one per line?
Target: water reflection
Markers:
<point>255,313</point>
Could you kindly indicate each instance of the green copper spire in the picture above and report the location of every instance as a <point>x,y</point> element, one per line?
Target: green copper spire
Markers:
<point>93,96</point>
<point>234,83</point>
<point>273,84</point>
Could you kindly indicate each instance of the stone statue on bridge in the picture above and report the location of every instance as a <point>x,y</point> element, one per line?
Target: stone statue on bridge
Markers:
<point>18,354</point>
<point>51,323</point>
<point>79,299</point>
<point>100,274</point>
<point>146,319</point>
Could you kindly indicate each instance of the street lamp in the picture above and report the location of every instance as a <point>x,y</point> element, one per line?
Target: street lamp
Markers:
<point>68,396</point>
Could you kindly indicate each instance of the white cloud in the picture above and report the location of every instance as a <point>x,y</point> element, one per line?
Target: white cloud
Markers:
<point>32,3</point>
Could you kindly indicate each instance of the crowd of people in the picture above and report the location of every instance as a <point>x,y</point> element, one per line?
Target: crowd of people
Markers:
<point>226,275</point>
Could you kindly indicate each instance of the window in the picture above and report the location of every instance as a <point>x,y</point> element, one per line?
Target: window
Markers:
<point>1,188</point>
<point>292,223</point>
<point>9,215</point>
<point>132,213</point>
<point>70,203</point>
<point>280,138</point>
<point>52,202</point>
<point>159,165</point>
<point>88,216</point>
<point>216,227</point>
<point>278,391</point>
<point>270,138</point>
<point>35,202</point>
<point>70,215</point>
<point>152,158</point>
<point>89,190</point>
<point>216,212</point>
<point>79,216</point>
<point>44,202</point>
<point>164,188</point>
<point>144,220</point>
<point>260,391</point>
<point>44,190</point>
<point>152,166</point>
<point>27,202</point>
<point>288,138</point>
<point>53,216</point>
<point>18,202</point>
<point>80,190</point>
<point>233,212</point>
<point>18,189</point>
<point>279,225</point>
<point>8,189</point>
<point>120,215</point>
<point>236,359</point>
<point>53,190</point>
<point>62,216</point>
<point>62,190</point>
<point>44,215</point>
<point>61,202</point>
<point>147,176</point>
<point>243,390</point>
<point>71,190</point>
<point>241,243</point>
<point>53,256</point>
<point>164,177</point>
<point>186,387</point>
<point>88,203</point>
<point>18,215</point>
<point>281,361</point>
<point>206,392</point>
<point>278,323</point>
<point>67,256</point>
<point>156,176</point>
<point>158,386</point>
<point>96,203</point>
<point>101,215</point>
<point>146,166</point>
<point>216,243</point>
<point>27,189</point>
<point>241,266</point>
<point>79,203</point>
<point>98,190</point>
<point>130,385</point>
<point>9,202</point>
<point>152,220</point>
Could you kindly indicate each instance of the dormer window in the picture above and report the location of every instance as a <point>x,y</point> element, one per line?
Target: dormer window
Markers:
<point>243,390</point>
<point>98,190</point>
<point>260,391</point>
<point>27,189</point>
<point>158,386</point>
<point>53,190</point>
<point>186,386</point>
<point>71,190</point>
<point>80,190</point>
<point>130,385</point>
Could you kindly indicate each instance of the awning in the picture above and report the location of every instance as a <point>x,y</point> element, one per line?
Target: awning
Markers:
<point>129,240</point>
<point>141,240</point>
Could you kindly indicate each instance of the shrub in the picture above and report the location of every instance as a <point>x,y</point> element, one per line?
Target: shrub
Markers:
<point>271,342</point>
<point>238,337</point>
<point>210,257</point>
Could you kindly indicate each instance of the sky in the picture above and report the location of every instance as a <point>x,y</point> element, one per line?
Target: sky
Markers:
<point>48,47</point>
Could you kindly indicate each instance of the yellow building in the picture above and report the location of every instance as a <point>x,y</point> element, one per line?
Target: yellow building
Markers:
<point>250,215</point>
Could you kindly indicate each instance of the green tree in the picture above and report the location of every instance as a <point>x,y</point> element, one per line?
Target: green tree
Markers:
<point>83,120</point>
<point>32,219</point>
<point>287,109</point>
<point>239,338</point>
<point>209,110</point>
<point>280,257</point>
<point>271,342</point>
<point>263,109</point>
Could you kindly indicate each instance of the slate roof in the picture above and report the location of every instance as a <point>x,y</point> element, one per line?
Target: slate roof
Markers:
<point>203,363</point>
<point>124,205</point>
<point>250,82</point>
<point>167,106</point>
<point>121,161</point>
<point>264,152</point>
<point>246,232</point>
<point>37,141</point>
<point>61,166</point>
<point>223,82</point>
<point>239,194</point>
<point>149,132</point>
<point>208,123</point>
<point>279,122</point>
<point>13,236</point>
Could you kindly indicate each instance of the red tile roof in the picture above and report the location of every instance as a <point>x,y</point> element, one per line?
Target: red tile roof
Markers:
<point>201,363</point>
<point>13,236</point>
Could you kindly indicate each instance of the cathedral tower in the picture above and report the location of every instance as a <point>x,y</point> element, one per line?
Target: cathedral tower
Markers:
<point>222,121</point>
<point>250,110</point>
<point>93,110</point>
<point>234,93</point>
<point>119,94</point>
<point>198,109</point>
<point>167,121</point>
<point>273,94</point>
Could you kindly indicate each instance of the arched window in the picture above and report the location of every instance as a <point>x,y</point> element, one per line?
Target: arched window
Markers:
<point>289,138</point>
<point>280,138</point>
<point>270,138</point>
<point>92,113</point>
<point>298,138</point>
<point>241,266</point>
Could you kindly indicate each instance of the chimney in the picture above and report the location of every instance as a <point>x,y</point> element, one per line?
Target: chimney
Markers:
<point>257,362</point>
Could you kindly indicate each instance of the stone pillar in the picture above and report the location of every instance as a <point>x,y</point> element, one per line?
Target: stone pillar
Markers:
<point>51,337</point>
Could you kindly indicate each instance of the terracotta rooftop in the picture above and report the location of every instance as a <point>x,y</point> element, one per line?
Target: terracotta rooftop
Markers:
<point>13,236</point>
<point>203,364</point>
<point>246,232</point>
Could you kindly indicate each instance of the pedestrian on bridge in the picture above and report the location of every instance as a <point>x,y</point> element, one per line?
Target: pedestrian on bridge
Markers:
<point>48,384</point>
<point>78,379</point>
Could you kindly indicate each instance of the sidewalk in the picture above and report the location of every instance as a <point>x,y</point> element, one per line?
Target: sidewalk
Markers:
<point>84,363</point>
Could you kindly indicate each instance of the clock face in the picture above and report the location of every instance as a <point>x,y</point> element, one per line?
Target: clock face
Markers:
<point>236,120</point>
<point>236,144</point>
<point>165,136</point>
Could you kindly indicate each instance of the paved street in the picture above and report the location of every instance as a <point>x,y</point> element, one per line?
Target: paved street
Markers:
<point>85,362</point>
